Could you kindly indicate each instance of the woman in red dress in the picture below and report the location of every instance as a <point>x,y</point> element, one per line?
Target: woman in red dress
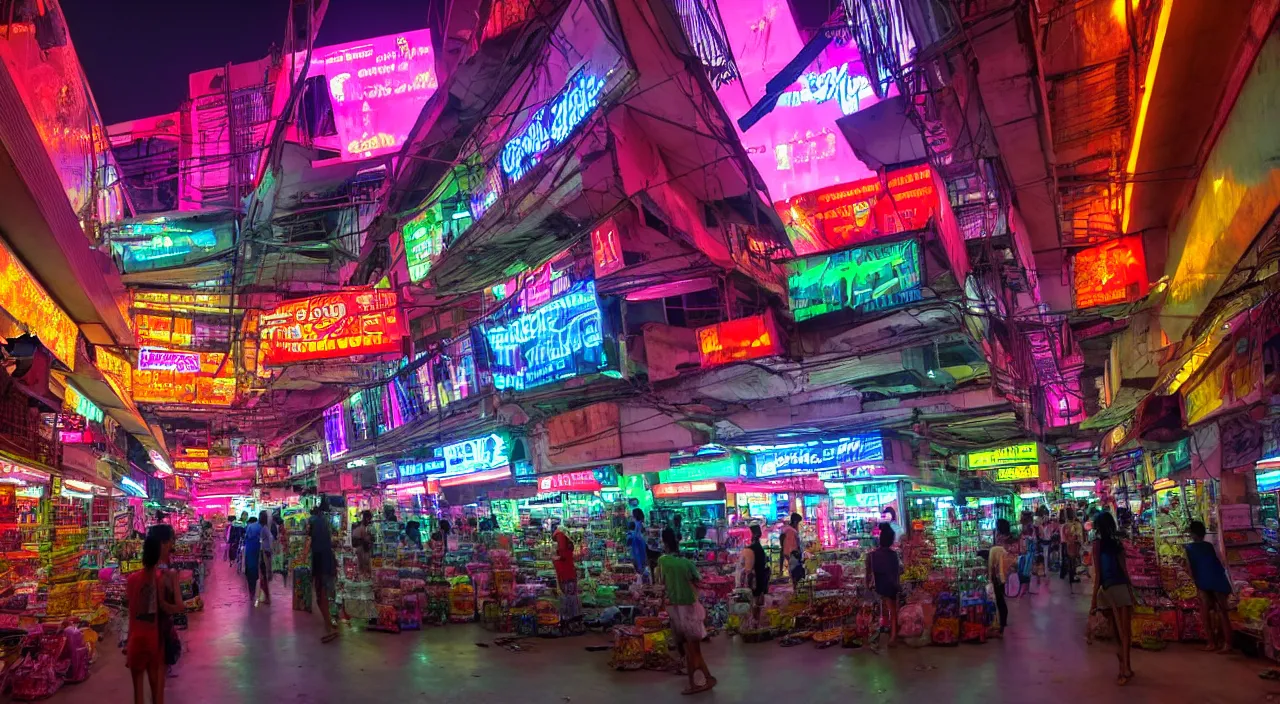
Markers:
<point>144,652</point>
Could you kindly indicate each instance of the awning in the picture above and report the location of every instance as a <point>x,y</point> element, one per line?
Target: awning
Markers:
<point>90,382</point>
<point>1120,411</point>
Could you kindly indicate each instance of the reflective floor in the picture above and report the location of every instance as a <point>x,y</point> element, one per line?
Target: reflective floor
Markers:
<point>271,654</point>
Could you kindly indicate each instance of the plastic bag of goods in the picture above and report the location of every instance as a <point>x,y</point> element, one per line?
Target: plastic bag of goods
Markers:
<point>911,621</point>
<point>462,603</point>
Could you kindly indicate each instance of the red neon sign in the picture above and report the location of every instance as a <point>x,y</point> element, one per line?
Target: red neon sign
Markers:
<point>570,481</point>
<point>332,325</point>
<point>606,249</point>
<point>737,340</point>
<point>683,488</point>
<point>1113,272</point>
<point>860,211</point>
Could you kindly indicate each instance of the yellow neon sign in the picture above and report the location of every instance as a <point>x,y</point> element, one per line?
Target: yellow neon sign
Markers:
<point>1021,453</point>
<point>26,301</point>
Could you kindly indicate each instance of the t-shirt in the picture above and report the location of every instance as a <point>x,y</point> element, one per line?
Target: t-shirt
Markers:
<point>253,537</point>
<point>790,541</point>
<point>1072,533</point>
<point>679,574</point>
<point>1206,568</point>
<point>321,534</point>
<point>639,546</point>
<point>998,564</point>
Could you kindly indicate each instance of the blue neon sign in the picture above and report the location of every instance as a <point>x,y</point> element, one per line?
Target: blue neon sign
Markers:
<point>817,455</point>
<point>551,125</point>
<point>420,466</point>
<point>560,339</point>
<point>475,455</point>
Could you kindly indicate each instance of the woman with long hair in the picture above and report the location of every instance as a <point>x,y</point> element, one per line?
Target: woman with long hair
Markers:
<point>1112,591</point>
<point>755,573</point>
<point>145,649</point>
<point>883,575</point>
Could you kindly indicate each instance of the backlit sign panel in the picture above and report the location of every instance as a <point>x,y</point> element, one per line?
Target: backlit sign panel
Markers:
<point>852,213</point>
<point>559,339</point>
<point>423,239</point>
<point>214,384</point>
<point>476,455</point>
<point>152,359</point>
<point>377,88</point>
<point>864,279</point>
<point>666,491</point>
<point>551,125</point>
<point>1021,453</point>
<point>332,325</point>
<point>816,456</point>
<point>417,467</point>
<point>335,432</point>
<point>159,245</point>
<point>606,249</point>
<point>1111,273</point>
<point>584,481</point>
<point>729,467</point>
<point>752,337</point>
<point>1017,473</point>
<point>25,301</point>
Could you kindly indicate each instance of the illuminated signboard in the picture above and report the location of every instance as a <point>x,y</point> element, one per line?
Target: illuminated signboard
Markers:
<point>423,239</point>
<point>663,491</point>
<point>420,466</point>
<point>817,456</point>
<point>387,472</point>
<point>852,213</point>
<point>551,125</point>
<point>192,465</point>
<point>157,462</point>
<point>449,377</point>
<point>335,432</point>
<point>728,467</point>
<point>752,337</point>
<point>83,406</point>
<point>213,385</point>
<point>26,302</point>
<point>117,371</point>
<point>569,482</point>
<point>75,437</point>
<point>606,249</point>
<point>164,330</point>
<point>560,339</point>
<point>1113,272</point>
<point>476,455</point>
<point>332,325</point>
<point>168,245</point>
<point>864,279</point>
<point>1017,473</point>
<point>152,359</point>
<point>1021,453</point>
<point>377,88</point>
<point>165,300</point>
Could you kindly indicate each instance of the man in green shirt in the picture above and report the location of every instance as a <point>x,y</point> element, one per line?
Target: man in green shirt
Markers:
<point>688,618</point>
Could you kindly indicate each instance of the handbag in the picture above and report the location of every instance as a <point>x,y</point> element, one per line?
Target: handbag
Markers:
<point>172,647</point>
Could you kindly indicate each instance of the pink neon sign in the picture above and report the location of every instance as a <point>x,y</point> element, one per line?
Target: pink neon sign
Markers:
<point>797,148</point>
<point>377,88</point>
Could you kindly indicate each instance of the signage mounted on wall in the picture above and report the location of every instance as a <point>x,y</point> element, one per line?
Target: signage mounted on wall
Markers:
<point>213,385</point>
<point>1113,272</point>
<point>560,339</point>
<point>661,491</point>
<point>332,325</point>
<point>752,337</point>
<point>476,455</point>
<point>569,482</point>
<point>852,213</point>
<point>551,125</point>
<point>168,245</point>
<point>423,239</point>
<point>25,301</point>
<point>1017,473</point>
<point>1021,453</point>
<point>606,249</point>
<point>817,456</point>
<point>377,88</point>
<point>420,466</point>
<point>153,359</point>
<point>726,467</point>
<point>864,279</point>
<point>387,472</point>
<point>335,432</point>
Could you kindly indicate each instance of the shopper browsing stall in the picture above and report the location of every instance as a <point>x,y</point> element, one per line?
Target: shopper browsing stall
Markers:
<point>324,566</point>
<point>566,575</point>
<point>792,550</point>
<point>1215,589</point>
<point>680,578</point>
<point>1072,533</point>
<point>362,541</point>
<point>883,573</point>
<point>266,550</point>
<point>999,566</point>
<point>755,573</point>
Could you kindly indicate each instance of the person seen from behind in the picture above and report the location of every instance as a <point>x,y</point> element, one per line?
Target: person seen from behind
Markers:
<point>362,541</point>
<point>145,648</point>
<point>688,617</point>
<point>252,551</point>
<point>883,573</point>
<point>1214,587</point>
<point>755,573</point>
<point>235,536</point>
<point>638,544</point>
<point>266,551</point>
<point>1072,532</point>
<point>792,550</point>
<point>566,575</point>
<point>1112,591</point>
<point>324,567</point>
<point>999,565</point>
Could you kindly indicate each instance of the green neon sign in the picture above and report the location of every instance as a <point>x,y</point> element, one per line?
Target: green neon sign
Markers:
<point>729,467</point>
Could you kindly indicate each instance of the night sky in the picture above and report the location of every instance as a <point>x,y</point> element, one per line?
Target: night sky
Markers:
<point>138,53</point>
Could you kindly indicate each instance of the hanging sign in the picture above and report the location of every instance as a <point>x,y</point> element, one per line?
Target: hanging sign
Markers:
<point>569,482</point>
<point>1021,453</point>
<point>1113,272</point>
<point>1017,473</point>
<point>423,239</point>
<point>476,455</point>
<point>25,301</point>
<point>214,384</point>
<point>152,359</point>
<point>822,455</point>
<point>420,466</point>
<point>662,491</point>
<point>551,125</point>
<point>752,337</point>
<point>332,325</point>
<point>606,249</point>
<point>860,211</point>
<point>559,339</point>
<point>863,279</point>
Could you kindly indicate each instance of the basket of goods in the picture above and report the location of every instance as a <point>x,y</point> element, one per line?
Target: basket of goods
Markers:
<point>829,637</point>
<point>946,621</point>
<point>628,648</point>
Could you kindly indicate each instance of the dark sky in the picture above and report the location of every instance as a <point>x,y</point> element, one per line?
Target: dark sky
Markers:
<point>138,53</point>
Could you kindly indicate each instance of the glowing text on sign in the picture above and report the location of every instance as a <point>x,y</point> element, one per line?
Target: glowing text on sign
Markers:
<point>475,455</point>
<point>1021,453</point>
<point>152,359</point>
<point>1019,473</point>
<point>560,339</point>
<point>864,279</point>
<point>551,125</point>
<point>822,455</point>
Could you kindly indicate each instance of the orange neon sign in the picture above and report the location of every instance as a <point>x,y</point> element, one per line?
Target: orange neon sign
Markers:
<point>1113,272</point>
<point>26,301</point>
<point>736,340</point>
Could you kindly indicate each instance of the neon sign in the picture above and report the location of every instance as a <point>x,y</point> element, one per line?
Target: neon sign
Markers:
<point>817,456</point>
<point>560,339</point>
<point>1021,453</point>
<point>729,467</point>
<point>84,406</point>
<point>863,279</point>
<point>551,125</point>
<point>1017,473</point>
<point>213,384</point>
<point>25,301</point>
<point>752,337</point>
<point>860,211</point>
<point>418,467</point>
<point>475,455</point>
<point>423,239</point>
<point>152,359</point>
<point>836,83</point>
<point>335,431</point>
<point>569,482</point>
<point>332,325</point>
<point>606,249</point>
<point>682,488</point>
<point>168,245</point>
<point>1114,272</point>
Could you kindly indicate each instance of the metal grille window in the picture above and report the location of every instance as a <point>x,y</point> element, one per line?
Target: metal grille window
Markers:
<point>706,36</point>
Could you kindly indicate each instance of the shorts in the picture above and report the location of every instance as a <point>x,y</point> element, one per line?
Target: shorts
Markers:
<point>324,571</point>
<point>688,621</point>
<point>1115,597</point>
<point>142,650</point>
